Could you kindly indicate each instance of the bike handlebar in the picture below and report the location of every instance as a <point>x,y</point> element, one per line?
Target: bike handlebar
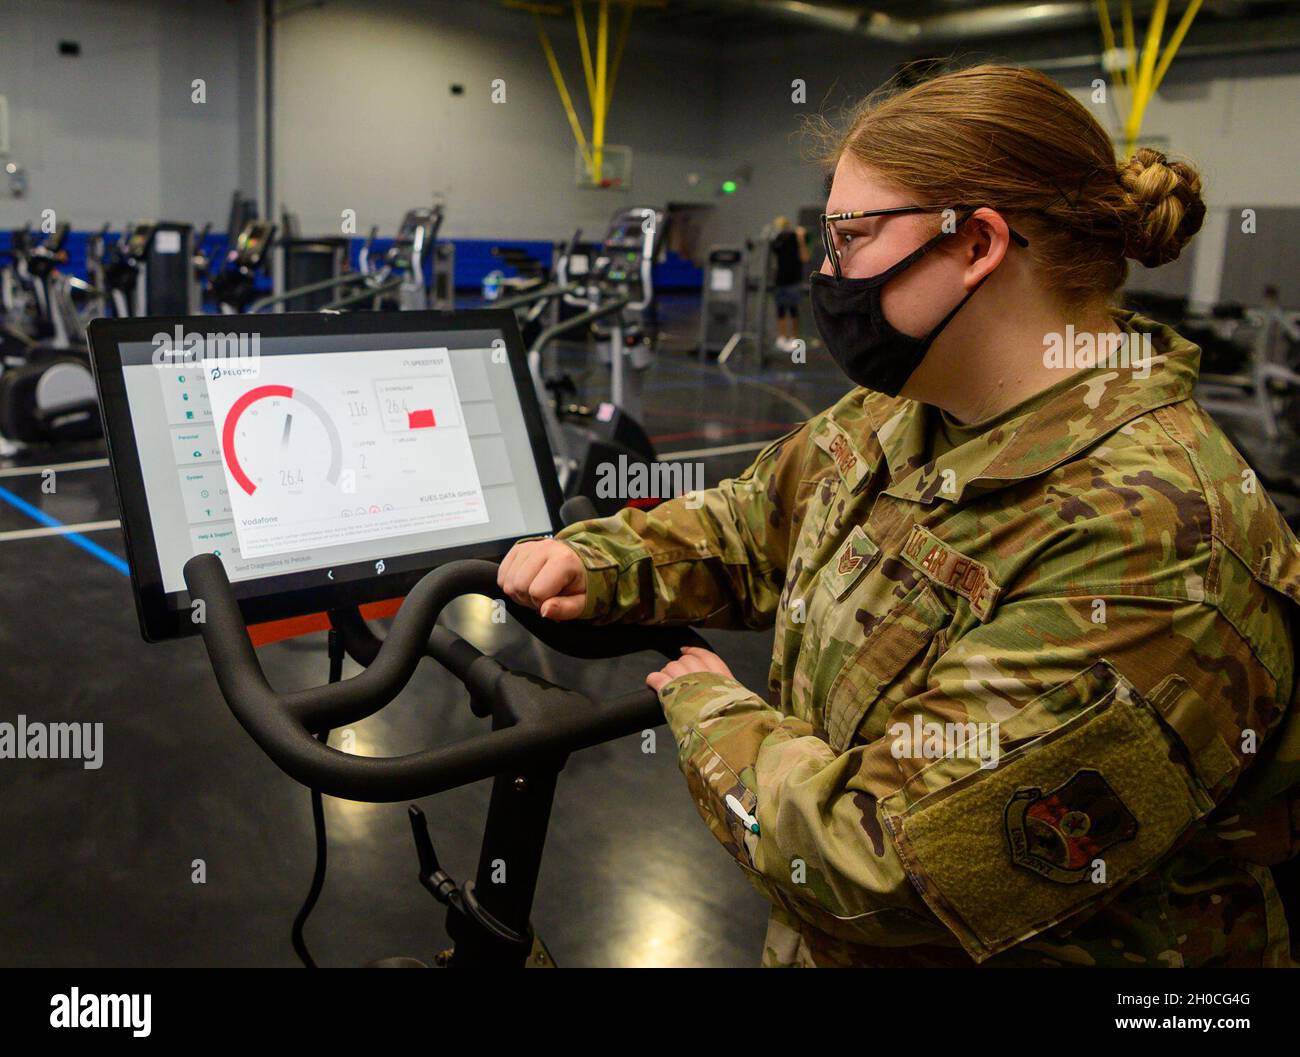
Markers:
<point>534,718</point>
<point>346,279</point>
<point>387,286</point>
<point>530,297</point>
<point>548,335</point>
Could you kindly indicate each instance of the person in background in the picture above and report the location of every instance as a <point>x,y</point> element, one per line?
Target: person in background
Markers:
<point>790,247</point>
<point>1281,329</point>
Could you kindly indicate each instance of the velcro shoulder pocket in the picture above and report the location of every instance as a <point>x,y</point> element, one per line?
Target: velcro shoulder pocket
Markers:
<point>1001,853</point>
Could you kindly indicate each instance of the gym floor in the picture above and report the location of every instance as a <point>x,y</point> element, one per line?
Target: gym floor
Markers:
<point>630,878</point>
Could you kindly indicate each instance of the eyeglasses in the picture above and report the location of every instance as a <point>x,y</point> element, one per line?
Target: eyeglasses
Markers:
<point>835,242</point>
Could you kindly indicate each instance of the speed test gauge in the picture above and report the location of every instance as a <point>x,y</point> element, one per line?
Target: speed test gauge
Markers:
<point>326,450</point>
<point>276,436</point>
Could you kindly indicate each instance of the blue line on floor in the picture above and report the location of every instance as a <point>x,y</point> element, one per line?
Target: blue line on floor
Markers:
<point>89,546</point>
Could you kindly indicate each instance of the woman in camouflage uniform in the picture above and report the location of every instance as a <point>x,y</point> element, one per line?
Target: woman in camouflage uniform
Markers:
<point>1030,696</point>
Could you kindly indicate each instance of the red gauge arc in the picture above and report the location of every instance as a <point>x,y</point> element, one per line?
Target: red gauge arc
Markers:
<point>270,392</point>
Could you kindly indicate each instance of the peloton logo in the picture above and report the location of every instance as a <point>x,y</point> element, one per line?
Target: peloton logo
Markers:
<point>657,480</point>
<point>1124,351</point>
<point>181,349</point>
<point>76,1010</point>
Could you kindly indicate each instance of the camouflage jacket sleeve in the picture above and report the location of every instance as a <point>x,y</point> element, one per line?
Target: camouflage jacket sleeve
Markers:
<point>716,557</point>
<point>792,814</point>
<point>870,843</point>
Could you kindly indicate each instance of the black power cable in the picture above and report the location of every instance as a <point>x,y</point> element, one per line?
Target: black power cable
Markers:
<point>318,827</point>
<point>317,880</point>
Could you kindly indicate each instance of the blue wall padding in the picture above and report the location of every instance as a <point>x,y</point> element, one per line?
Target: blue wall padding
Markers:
<point>474,259</point>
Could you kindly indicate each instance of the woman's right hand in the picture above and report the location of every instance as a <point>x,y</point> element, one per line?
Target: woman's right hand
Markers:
<point>545,575</point>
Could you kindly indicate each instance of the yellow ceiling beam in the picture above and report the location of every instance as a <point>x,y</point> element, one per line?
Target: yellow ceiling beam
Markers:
<point>1171,49</point>
<point>557,75</point>
<point>1130,42</point>
<point>600,72</point>
<point>624,27</point>
<point>1141,74</point>
<point>585,48</point>
<point>598,102</point>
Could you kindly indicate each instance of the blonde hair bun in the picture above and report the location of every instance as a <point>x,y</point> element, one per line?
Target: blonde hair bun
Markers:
<point>1165,206</point>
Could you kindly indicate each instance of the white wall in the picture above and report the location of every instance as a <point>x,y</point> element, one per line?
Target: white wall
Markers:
<point>112,135</point>
<point>763,123</point>
<point>365,120</point>
<point>364,117</point>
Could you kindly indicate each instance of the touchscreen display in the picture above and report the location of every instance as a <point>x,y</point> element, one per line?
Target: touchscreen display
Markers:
<point>318,460</point>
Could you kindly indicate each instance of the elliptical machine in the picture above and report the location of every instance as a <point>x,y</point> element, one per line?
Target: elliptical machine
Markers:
<point>395,280</point>
<point>151,270</point>
<point>235,283</point>
<point>47,390</point>
<point>16,298</point>
<point>617,298</point>
<point>413,257</point>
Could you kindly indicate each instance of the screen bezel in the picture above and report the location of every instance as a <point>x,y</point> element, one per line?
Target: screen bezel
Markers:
<point>158,620</point>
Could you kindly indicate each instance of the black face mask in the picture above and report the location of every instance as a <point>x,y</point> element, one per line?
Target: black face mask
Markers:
<point>863,343</point>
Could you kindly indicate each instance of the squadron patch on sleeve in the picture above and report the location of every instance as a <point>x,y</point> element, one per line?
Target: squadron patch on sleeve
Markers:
<point>1059,834</point>
<point>1002,853</point>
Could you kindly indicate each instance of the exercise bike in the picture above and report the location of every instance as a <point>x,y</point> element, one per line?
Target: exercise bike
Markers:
<point>361,467</point>
<point>535,726</point>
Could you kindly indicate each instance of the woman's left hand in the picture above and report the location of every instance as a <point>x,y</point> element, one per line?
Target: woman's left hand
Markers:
<point>693,659</point>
